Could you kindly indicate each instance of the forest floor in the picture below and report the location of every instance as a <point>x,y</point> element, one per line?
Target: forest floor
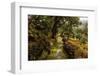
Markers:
<point>81,50</point>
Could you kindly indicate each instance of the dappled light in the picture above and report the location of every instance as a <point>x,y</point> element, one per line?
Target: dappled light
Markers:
<point>57,37</point>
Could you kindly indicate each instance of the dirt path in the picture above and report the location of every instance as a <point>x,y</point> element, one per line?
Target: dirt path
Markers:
<point>60,54</point>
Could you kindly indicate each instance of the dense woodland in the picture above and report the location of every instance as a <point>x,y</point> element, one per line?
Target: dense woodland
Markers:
<point>57,37</point>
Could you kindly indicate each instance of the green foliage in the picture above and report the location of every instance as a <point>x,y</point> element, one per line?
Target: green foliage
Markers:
<point>43,32</point>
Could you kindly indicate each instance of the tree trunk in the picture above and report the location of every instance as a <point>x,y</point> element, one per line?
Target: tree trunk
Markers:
<point>55,29</point>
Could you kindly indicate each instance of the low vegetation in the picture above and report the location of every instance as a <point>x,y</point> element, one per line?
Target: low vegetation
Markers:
<point>57,37</point>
